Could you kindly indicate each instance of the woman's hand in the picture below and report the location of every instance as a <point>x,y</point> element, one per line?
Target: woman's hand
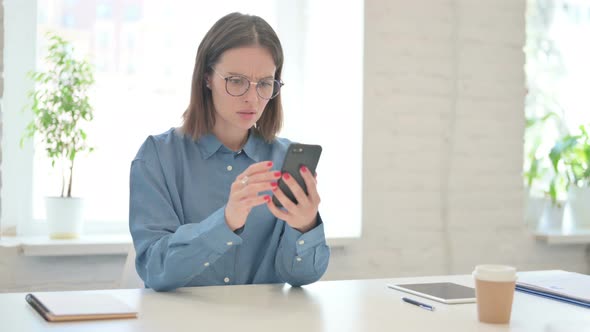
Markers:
<point>244,192</point>
<point>303,215</point>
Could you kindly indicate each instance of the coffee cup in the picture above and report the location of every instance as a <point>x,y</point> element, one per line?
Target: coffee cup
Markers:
<point>494,290</point>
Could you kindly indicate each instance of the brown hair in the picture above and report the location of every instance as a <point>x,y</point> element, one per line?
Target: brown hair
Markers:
<point>231,31</point>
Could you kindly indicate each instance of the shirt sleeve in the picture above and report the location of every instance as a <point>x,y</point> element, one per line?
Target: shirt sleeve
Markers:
<point>170,254</point>
<point>302,258</point>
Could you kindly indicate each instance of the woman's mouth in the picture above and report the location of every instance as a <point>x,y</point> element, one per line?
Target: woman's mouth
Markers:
<point>247,115</point>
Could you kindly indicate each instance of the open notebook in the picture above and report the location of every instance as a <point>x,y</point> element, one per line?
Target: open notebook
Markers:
<point>560,285</point>
<point>73,306</point>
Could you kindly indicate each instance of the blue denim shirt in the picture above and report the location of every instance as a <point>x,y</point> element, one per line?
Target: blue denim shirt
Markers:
<point>178,192</point>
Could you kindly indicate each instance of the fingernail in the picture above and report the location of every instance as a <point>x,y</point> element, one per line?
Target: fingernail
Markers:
<point>273,185</point>
<point>303,169</point>
<point>267,198</point>
<point>286,176</point>
<point>269,164</point>
<point>277,174</point>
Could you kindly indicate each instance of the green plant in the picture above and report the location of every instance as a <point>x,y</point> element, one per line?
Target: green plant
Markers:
<point>570,158</point>
<point>535,165</point>
<point>60,104</point>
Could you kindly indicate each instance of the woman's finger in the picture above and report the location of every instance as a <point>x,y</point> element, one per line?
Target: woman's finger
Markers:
<point>280,214</point>
<point>311,184</point>
<point>250,190</point>
<point>255,201</point>
<point>255,168</point>
<point>285,201</point>
<point>264,176</point>
<point>296,189</point>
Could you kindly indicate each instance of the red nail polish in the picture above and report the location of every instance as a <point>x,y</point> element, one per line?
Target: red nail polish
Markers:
<point>277,174</point>
<point>267,198</point>
<point>303,169</point>
<point>273,185</point>
<point>269,164</point>
<point>286,176</point>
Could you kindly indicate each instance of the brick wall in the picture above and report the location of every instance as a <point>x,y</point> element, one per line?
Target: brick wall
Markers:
<point>443,143</point>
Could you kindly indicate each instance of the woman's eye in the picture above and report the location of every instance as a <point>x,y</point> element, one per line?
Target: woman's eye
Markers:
<point>236,80</point>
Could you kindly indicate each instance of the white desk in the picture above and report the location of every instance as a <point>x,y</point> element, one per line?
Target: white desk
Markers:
<point>358,305</point>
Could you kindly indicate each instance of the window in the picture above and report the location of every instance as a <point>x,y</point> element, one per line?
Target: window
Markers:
<point>558,76</point>
<point>143,52</point>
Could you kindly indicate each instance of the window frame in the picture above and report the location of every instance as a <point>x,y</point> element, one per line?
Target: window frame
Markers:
<point>17,212</point>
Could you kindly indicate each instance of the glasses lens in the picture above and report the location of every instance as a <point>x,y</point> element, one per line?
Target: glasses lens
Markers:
<point>236,85</point>
<point>268,89</point>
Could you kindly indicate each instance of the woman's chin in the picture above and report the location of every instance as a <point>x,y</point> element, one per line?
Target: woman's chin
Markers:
<point>246,125</point>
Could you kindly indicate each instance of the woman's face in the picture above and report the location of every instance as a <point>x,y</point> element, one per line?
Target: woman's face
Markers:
<point>239,113</point>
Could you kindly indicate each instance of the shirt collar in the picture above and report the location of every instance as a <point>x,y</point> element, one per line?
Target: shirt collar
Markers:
<point>210,145</point>
<point>252,146</point>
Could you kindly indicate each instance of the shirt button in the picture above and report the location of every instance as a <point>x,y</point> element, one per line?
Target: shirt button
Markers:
<point>226,279</point>
<point>229,168</point>
<point>301,242</point>
<point>229,243</point>
<point>298,259</point>
<point>206,264</point>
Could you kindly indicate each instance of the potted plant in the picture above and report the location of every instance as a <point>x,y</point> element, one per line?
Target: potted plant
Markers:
<point>570,158</point>
<point>60,104</point>
<point>543,208</point>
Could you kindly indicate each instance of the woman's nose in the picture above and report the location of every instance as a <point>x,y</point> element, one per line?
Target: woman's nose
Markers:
<point>251,95</point>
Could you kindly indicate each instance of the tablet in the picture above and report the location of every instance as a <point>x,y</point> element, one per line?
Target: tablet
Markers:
<point>445,292</point>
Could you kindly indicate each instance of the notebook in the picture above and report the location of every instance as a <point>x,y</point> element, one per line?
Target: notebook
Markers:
<point>560,285</point>
<point>74,306</point>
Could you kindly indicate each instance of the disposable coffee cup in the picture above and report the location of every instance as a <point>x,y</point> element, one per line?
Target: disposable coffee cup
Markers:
<point>494,289</point>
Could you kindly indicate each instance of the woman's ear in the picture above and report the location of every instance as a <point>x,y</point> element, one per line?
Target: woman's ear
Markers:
<point>207,83</point>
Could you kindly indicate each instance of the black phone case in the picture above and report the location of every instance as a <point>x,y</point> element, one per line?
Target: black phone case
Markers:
<point>297,156</point>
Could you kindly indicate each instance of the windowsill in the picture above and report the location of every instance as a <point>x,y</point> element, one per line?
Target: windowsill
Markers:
<point>107,244</point>
<point>111,244</point>
<point>561,230</point>
<point>564,236</point>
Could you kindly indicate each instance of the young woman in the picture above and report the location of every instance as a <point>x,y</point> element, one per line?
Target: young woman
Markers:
<point>201,211</point>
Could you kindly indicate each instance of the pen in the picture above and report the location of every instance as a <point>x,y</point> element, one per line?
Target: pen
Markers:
<point>420,304</point>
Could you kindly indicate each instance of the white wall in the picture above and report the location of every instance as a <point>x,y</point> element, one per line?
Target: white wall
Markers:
<point>19,273</point>
<point>19,33</point>
<point>443,131</point>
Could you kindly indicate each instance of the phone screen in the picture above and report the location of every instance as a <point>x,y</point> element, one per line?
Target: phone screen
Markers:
<point>298,155</point>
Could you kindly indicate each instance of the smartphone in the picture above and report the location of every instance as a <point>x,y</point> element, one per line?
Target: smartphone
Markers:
<point>297,156</point>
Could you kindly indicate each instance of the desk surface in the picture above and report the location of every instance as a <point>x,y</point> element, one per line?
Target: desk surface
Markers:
<point>352,305</point>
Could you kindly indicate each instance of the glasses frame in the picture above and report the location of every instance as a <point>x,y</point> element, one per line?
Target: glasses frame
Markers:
<point>227,78</point>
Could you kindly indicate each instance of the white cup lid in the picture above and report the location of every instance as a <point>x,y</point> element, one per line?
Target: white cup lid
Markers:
<point>490,272</point>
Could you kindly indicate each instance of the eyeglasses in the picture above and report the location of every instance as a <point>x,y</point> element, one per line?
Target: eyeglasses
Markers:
<point>237,85</point>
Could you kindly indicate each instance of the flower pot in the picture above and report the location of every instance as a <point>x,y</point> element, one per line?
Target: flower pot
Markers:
<point>578,200</point>
<point>552,217</point>
<point>64,217</point>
